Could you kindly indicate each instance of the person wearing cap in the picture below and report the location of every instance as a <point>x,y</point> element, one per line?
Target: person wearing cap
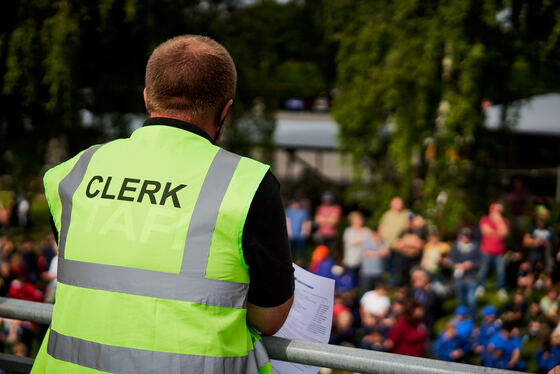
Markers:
<point>494,229</point>
<point>487,328</point>
<point>465,259</point>
<point>172,250</point>
<point>464,327</point>
<point>539,240</point>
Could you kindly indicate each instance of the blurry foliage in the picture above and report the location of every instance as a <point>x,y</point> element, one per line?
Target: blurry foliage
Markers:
<point>412,76</point>
<point>59,57</point>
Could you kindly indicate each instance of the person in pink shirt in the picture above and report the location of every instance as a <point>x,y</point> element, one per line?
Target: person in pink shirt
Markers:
<point>327,218</point>
<point>494,228</point>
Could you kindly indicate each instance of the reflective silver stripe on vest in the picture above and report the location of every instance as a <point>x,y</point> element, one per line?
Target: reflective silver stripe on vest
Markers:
<point>155,284</point>
<point>261,355</point>
<point>205,213</point>
<point>190,285</point>
<point>66,190</point>
<point>122,360</point>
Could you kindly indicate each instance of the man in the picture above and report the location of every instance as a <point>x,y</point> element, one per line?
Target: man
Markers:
<point>393,221</point>
<point>540,241</point>
<point>407,250</point>
<point>165,256</point>
<point>327,217</point>
<point>465,258</point>
<point>494,229</point>
<point>299,228</point>
<point>424,295</point>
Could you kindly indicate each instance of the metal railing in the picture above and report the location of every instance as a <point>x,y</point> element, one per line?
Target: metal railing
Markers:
<point>296,351</point>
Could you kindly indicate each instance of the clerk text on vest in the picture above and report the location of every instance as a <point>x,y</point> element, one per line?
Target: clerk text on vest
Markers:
<point>132,189</point>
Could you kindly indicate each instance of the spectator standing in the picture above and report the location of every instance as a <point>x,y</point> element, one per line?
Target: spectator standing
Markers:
<point>393,221</point>
<point>465,258</point>
<point>299,227</point>
<point>373,256</point>
<point>494,229</point>
<point>540,240</point>
<point>327,217</point>
<point>518,199</point>
<point>407,250</point>
<point>356,238</point>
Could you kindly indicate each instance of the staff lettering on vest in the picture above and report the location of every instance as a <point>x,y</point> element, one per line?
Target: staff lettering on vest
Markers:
<point>149,188</point>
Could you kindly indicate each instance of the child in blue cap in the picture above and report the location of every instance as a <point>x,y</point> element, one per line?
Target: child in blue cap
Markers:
<point>464,326</point>
<point>488,327</point>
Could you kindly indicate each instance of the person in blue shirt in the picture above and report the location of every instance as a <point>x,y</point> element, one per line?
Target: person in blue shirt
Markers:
<point>299,227</point>
<point>448,346</point>
<point>547,358</point>
<point>464,326</point>
<point>504,349</point>
<point>488,327</point>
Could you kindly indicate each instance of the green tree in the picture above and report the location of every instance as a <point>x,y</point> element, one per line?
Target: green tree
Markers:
<point>412,76</point>
<point>60,57</point>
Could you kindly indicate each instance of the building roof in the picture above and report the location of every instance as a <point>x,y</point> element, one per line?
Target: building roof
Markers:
<point>538,115</point>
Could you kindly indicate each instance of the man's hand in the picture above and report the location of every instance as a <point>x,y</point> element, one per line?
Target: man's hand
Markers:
<point>268,320</point>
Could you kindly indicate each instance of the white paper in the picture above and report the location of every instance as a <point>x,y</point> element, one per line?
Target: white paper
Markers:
<point>310,317</point>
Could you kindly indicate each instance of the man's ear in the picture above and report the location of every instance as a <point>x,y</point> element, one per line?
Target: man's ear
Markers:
<point>225,110</point>
<point>145,99</point>
<point>219,121</point>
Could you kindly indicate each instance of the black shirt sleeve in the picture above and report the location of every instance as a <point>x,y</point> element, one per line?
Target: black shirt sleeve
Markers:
<point>266,247</point>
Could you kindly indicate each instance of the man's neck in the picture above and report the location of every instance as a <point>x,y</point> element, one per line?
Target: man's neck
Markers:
<point>207,126</point>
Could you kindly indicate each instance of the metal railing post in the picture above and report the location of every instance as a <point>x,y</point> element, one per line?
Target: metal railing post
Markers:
<point>297,351</point>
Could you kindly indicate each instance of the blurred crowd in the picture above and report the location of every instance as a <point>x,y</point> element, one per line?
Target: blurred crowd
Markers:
<point>477,297</point>
<point>27,272</point>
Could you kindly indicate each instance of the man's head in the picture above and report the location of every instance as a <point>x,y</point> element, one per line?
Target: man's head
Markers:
<point>192,77</point>
<point>543,214</point>
<point>397,204</point>
<point>496,208</point>
<point>356,219</point>
<point>419,278</point>
<point>465,235</point>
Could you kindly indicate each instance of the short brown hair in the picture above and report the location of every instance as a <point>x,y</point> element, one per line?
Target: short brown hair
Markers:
<point>190,74</point>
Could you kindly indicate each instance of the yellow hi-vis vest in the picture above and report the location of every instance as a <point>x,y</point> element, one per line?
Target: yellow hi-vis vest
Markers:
<point>151,275</point>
